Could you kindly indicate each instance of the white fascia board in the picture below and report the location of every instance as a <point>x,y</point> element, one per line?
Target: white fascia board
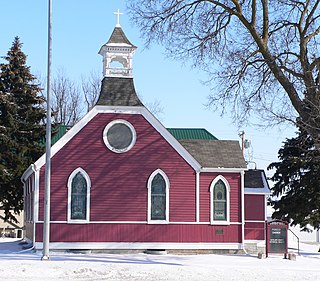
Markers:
<point>115,75</point>
<point>118,45</point>
<point>258,191</point>
<point>140,246</point>
<point>170,139</point>
<point>120,110</point>
<point>223,170</point>
<point>67,137</point>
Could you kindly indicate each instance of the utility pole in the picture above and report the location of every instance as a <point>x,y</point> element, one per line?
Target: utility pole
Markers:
<point>46,219</point>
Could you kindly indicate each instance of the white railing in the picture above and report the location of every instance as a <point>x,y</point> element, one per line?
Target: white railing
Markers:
<point>119,71</point>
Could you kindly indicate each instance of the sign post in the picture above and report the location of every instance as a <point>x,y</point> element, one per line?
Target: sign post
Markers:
<point>277,238</point>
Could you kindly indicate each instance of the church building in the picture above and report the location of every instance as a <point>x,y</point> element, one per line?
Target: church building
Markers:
<point>120,180</point>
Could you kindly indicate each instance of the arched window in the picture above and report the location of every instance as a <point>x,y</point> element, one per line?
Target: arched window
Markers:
<point>78,196</point>
<point>219,198</point>
<point>158,197</point>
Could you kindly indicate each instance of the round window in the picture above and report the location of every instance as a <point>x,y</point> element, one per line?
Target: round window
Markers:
<point>119,136</point>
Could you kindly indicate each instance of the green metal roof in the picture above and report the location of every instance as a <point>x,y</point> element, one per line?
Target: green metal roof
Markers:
<point>60,131</point>
<point>56,134</point>
<point>191,134</point>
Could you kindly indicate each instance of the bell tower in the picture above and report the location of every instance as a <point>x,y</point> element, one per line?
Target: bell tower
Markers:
<point>117,87</point>
<point>117,53</point>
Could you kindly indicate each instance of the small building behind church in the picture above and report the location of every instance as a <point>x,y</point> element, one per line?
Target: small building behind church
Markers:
<point>121,181</point>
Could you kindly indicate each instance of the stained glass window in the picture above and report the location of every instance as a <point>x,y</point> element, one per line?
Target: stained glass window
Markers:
<point>79,197</point>
<point>119,136</point>
<point>220,201</point>
<point>158,198</point>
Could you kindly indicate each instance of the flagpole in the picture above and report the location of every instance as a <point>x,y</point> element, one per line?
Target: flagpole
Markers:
<point>46,219</point>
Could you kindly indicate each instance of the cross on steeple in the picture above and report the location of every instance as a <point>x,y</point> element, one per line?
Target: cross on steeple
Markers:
<point>118,17</point>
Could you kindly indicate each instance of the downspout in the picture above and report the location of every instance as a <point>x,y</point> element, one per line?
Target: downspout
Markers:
<point>242,210</point>
<point>197,196</point>
<point>265,218</point>
<point>35,203</point>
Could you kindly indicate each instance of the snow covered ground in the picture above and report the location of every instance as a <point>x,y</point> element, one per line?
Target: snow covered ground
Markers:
<point>27,266</point>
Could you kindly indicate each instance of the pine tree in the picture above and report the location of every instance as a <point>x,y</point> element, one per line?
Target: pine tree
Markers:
<point>21,127</point>
<point>296,193</point>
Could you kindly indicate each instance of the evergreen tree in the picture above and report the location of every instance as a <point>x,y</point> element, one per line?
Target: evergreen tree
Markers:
<point>21,127</point>
<point>296,193</point>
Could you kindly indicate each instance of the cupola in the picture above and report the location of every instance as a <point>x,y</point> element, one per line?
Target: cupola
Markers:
<point>117,87</point>
<point>117,53</point>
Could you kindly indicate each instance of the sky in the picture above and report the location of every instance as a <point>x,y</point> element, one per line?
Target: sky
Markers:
<point>17,266</point>
<point>81,27</point>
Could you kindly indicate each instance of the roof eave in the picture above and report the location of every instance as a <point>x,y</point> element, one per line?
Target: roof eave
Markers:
<point>257,191</point>
<point>222,170</point>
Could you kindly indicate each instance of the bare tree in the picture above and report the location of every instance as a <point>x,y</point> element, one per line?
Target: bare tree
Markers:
<point>154,107</point>
<point>91,86</point>
<point>67,103</point>
<point>261,56</point>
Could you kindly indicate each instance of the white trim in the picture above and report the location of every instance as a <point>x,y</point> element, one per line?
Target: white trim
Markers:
<point>114,45</point>
<point>123,110</point>
<point>105,136</point>
<point>265,207</point>
<point>197,196</point>
<point>67,137</point>
<point>166,179</point>
<point>140,246</point>
<point>36,195</point>
<point>242,205</point>
<point>257,191</point>
<point>255,221</point>
<point>87,178</point>
<point>217,222</point>
<point>222,170</point>
<point>141,222</point>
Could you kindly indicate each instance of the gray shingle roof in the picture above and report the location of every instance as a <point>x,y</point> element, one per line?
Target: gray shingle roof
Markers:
<point>254,179</point>
<point>118,36</point>
<point>215,153</point>
<point>118,91</point>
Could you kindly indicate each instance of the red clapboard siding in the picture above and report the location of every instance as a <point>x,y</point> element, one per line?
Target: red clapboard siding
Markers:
<point>254,231</point>
<point>119,181</point>
<point>235,195</point>
<point>141,233</point>
<point>254,207</point>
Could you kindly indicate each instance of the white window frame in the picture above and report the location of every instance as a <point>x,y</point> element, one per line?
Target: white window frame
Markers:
<point>129,125</point>
<point>87,178</point>
<point>166,179</point>
<point>226,183</point>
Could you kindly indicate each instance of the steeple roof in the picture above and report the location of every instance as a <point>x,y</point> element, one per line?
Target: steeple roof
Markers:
<point>118,37</point>
<point>118,91</point>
